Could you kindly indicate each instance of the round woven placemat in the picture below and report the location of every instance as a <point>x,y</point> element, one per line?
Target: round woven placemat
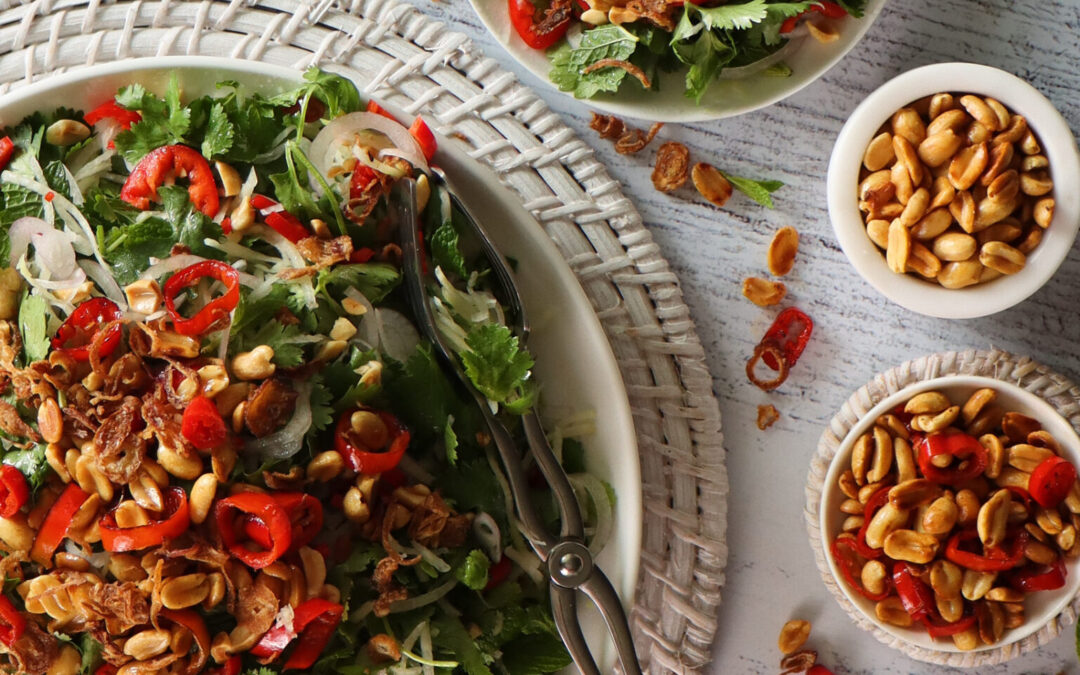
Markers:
<point>402,57</point>
<point>1056,389</point>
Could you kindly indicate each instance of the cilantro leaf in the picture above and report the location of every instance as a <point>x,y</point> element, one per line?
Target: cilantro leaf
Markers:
<point>374,280</point>
<point>33,311</point>
<point>603,42</point>
<point>220,133</point>
<point>321,402</point>
<point>283,339</point>
<point>473,571</point>
<point>164,121</point>
<point>338,93</point>
<point>91,654</point>
<point>259,311</point>
<point>732,17</point>
<point>444,249</point>
<point>191,225</point>
<point>498,367</point>
<point>32,463</point>
<point>758,190</point>
<point>262,670</point>
<point>450,441</point>
<point>421,393</point>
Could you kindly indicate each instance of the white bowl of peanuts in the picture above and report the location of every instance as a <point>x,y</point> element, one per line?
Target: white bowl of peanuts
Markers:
<point>953,190</point>
<point>950,515</point>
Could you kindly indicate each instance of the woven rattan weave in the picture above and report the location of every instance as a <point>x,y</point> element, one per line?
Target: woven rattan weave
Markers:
<point>404,58</point>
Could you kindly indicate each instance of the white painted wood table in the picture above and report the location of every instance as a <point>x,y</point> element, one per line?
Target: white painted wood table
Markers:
<point>771,575</point>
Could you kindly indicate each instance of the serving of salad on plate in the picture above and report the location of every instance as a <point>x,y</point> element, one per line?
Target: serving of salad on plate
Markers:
<point>226,447</point>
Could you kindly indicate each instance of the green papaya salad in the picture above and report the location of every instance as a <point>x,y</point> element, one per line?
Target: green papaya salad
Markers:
<point>225,447</point>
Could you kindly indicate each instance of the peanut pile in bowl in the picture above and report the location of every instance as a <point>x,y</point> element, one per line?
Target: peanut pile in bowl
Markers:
<point>955,189</point>
<point>951,519</point>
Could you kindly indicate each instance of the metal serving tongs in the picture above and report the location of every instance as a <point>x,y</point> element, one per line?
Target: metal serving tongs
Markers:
<point>569,563</point>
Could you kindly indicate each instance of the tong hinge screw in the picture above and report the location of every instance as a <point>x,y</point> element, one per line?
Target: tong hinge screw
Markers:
<point>569,563</point>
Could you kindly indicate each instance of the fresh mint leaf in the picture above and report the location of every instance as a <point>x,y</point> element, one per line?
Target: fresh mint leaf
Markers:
<point>603,42</point>
<point>33,311</point>
<point>32,463</point>
<point>758,190</point>
<point>535,655</point>
<point>338,93</point>
<point>498,367</point>
<point>57,178</point>
<point>473,571</point>
<point>707,55</point>
<point>444,250</point>
<point>17,203</point>
<point>220,133</point>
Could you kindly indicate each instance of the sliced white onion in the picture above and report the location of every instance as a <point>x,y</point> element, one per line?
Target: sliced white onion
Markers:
<point>413,637</point>
<point>389,331</point>
<point>104,281</point>
<point>487,532</point>
<point>590,486</point>
<point>287,441</point>
<point>176,262</point>
<point>424,599</point>
<point>346,127</point>
<point>527,561</point>
<point>429,556</point>
<point>99,560</point>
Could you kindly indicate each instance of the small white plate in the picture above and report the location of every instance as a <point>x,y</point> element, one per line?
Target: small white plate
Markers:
<point>1039,607</point>
<point>737,91</point>
<point>574,361</point>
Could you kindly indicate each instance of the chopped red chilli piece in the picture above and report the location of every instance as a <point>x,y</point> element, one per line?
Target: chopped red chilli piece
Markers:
<point>114,111</point>
<point>216,312</point>
<point>153,170</point>
<point>175,521</point>
<point>14,491</point>
<point>424,138</point>
<point>544,33</point>
<point>56,524</point>
<point>7,149</point>
<point>78,330</point>
<point>202,424</point>
<point>12,622</point>
<point>280,220</point>
<point>1051,481</point>
<point>265,508</point>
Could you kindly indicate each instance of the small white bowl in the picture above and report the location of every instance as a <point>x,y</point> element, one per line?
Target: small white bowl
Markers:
<point>926,297</point>
<point>1039,607</point>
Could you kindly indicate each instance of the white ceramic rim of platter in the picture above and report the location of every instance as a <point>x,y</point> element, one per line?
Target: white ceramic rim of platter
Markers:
<point>600,380</point>
<point>830,516</point>
<point>925,297</point>
<point>745,85</point>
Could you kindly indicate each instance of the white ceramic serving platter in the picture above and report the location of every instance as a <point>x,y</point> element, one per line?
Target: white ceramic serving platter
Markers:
<point>737,91</point>
<point>1039,607</point>
<point>574,362</point>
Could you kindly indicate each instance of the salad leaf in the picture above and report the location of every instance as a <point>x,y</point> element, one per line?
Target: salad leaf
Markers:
<point>473,571</point>
<point>374,280</point>
<point>448,633</point>
<point>498,367</point>
<point>535,655</point>
<point>283,339</point>
<point>57,178</point>
<point>444,250</point>
<point>758,190</point>
<point>32,463</point>
<point>91,651</point>
<point>164,121</point>
<point>191,225</point>
<point>321,402</point>
<point>450,441</point>
<point>338,93</point>
<point>603,42</point>
<point>220,133</point>
<point>33,311</point>
<point>17,202</point>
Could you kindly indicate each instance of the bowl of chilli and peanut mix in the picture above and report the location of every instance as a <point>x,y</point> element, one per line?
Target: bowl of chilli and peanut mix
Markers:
<point>950,514</point>
<point>952,190</point>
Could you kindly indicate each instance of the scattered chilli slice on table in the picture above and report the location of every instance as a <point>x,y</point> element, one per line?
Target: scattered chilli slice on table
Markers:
<point>214,454</point>
<point>781,347</point>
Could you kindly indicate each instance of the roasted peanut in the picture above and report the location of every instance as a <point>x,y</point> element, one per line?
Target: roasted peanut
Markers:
<point>1001,257</point>
<point>933,223</point>
<point>887,519</point>
<point>184,591</point>
<point>891,611</point>
<point>941,516</point>
<point>873,576</point>
<point>968,165</point>
<point>967,504</point>
<point>878,231</point>
<point>946,578</point>
<point>939,148</point>
<point>940,104</point>
<point>202,496</point>
<point>1043,212</point>
<point>960,274</point>
<point>951,609</point>
<point>912,546</point>
<point>991,621</point>
<point>1005,594</point>
<point>901,180</point>
<point>955,246</point>
<point>995,453</point>
<point>977,584</point>
<point>908,123</point>
<point>147,644</point>
<point>1026,457</point>
<point>879,153</point>
<point>993,518</point>
<point>912,493</point>
<point>899,248</point>
<point>793,636</point>
<point>1040,553</point>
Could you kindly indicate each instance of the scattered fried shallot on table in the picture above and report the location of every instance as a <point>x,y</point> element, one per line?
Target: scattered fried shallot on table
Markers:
<point>767,416</point>
<point>672,167</point>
